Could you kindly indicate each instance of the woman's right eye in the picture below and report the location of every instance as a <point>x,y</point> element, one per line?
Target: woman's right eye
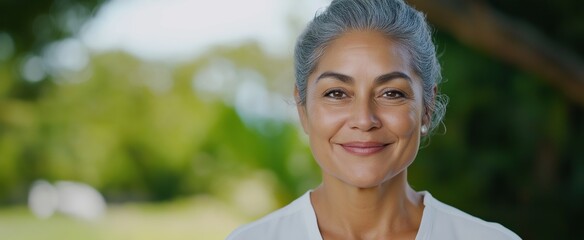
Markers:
<point>336,94</point>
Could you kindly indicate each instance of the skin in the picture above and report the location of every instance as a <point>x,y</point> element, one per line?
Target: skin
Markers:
<point>363,114</point>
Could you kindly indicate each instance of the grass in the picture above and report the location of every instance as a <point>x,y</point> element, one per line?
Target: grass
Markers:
<point>193,218</point>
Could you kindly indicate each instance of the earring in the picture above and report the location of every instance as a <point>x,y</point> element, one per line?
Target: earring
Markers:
<point>424,130</point>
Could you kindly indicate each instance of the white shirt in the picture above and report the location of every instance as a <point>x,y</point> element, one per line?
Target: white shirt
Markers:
<point>297,221</point>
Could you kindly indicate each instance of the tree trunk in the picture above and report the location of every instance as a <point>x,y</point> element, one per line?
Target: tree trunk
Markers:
<point>478,25</point>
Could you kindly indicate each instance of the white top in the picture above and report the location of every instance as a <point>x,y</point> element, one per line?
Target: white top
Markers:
<point>439,222</point>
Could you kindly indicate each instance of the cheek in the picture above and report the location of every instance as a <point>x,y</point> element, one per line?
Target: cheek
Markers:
<point>321,119</point>
<point>403,121</point>
<point>323,122</point>
<point>321,129</point>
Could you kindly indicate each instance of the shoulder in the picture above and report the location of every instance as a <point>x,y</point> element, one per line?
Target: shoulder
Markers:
<point>441,221</point>
<point>289,222</point>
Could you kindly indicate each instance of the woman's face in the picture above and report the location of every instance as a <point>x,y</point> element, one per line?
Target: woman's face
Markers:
<point>363,109</point>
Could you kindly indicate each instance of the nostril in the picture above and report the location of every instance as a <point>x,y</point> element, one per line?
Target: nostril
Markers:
<point>365,119</point>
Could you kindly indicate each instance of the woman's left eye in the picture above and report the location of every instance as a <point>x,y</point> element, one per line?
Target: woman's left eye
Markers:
<point>393,94</point>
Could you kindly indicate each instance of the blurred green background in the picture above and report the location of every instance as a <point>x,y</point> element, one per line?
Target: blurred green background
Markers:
<point>192,148</point>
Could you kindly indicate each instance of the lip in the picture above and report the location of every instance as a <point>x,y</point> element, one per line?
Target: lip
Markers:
<point>363,148</point>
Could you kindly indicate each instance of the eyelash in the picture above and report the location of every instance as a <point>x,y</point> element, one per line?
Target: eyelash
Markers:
<point>400,93</point>
<point>330,93</point>
<point>385,94</point>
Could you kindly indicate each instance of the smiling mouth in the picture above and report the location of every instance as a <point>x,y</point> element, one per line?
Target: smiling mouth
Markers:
<point>363,148</point>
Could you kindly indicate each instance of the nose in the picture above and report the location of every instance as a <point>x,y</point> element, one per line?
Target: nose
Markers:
<point>364,116</point>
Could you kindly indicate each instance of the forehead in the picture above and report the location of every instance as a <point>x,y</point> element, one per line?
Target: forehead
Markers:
<point>370,51</point>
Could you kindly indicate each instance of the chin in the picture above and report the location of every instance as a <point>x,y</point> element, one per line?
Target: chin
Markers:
<point>366,180</point>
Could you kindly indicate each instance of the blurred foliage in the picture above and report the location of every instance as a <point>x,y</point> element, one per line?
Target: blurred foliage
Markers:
<point>33,24</point>
<point>510,151</point>
<point>561,21</point>
<point>133,138</point>
<point>141,130</point>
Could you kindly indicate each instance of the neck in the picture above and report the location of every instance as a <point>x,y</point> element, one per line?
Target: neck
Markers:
<point>390,209</point>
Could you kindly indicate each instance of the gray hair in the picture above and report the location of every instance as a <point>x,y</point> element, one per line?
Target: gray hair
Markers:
<point>396,20</point>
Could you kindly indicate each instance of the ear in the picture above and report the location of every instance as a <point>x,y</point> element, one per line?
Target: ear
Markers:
<point>301,108</point>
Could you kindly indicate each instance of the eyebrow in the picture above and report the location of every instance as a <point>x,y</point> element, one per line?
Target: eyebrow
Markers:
<point>378,81</point>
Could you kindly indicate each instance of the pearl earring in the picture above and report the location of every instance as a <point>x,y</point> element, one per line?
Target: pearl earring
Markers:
<point>424,129</point>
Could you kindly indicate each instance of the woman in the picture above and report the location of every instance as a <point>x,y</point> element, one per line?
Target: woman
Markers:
<point>366,88</point>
